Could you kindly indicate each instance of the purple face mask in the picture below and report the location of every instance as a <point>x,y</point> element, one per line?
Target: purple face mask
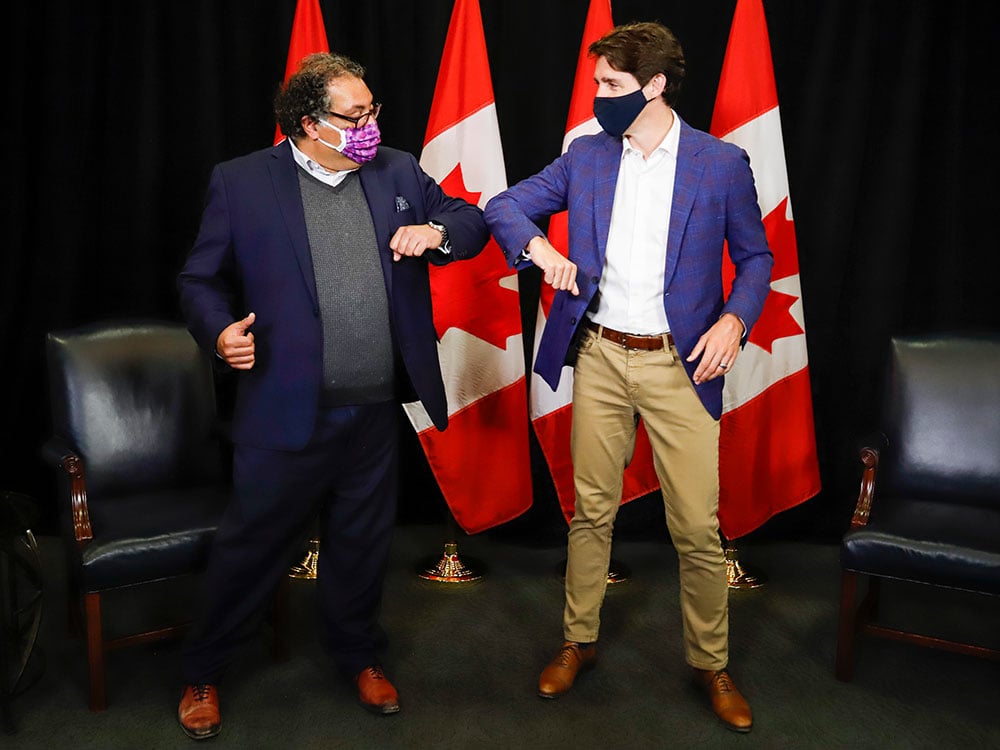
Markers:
<point>357,144</point>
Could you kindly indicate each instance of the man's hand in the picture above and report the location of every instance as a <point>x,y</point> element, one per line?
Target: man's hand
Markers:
<point>235,344</point>
<point>412,240</point>
<point>718,348</point>
<point>558,271</point>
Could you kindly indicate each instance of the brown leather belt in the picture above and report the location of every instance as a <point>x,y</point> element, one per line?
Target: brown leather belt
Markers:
<point>630,340</point>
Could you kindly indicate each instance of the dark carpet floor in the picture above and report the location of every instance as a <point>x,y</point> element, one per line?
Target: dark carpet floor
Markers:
<point>466,658</point>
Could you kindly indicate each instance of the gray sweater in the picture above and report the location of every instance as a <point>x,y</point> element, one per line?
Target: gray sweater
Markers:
<point>354,308</point>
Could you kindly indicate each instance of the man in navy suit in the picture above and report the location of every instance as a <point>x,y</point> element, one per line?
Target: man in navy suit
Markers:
<point>640,314</point>
<point>309,277</point>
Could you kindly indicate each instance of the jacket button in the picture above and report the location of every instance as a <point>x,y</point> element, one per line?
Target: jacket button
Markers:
<point>572,321</point>
<point>595,279</point>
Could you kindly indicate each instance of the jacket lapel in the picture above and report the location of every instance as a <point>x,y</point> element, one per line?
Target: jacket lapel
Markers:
<point>686,181</point>
<point>375,192</point>
<point>284,175</point>
<point>608,160</point>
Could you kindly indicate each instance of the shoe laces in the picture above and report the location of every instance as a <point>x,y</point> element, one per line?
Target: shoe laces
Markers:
<point>724,681</point>
<point>201,692</point>
<point>567,655</point>
<point>375,673</point>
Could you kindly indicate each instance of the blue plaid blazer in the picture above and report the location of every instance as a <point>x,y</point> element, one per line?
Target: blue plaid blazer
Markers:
<point>714,201</point>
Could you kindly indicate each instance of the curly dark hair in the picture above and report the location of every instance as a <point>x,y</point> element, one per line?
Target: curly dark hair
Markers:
<point>644,49</point>
<point>305,94</point>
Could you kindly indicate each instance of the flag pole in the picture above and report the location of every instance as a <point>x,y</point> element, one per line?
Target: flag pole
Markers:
<point>450,568</point>
<point>307,568</point>
<point>737,576</point>
<point>618,572</point>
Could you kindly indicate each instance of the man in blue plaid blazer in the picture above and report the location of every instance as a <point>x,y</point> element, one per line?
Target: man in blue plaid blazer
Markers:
<point>640,314</point>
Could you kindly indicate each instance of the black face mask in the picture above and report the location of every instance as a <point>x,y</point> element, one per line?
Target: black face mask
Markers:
<point>616,113</point>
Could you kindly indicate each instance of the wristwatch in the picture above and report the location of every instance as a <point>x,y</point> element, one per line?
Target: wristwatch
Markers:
<point>445,246</point>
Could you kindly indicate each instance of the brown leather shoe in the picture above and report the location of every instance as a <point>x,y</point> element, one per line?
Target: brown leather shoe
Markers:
<point>199,712</point>
<point>375,691</point>
<point>557,678</point>
<point>731,707</point>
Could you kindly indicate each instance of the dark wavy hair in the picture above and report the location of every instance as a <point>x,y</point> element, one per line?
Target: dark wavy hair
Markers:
<point>305,94</point>
<point>644,49</point>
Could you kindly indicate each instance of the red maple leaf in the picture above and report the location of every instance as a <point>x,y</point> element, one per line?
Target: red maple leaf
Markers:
<point>775,319</point>
<point>781,239</point>
<point>467,294</point>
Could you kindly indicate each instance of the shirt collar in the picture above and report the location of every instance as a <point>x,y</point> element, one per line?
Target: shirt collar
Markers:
<point>316,169</point>
<point>668,145</point>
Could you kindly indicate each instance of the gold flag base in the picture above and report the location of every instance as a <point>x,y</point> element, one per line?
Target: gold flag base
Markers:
<point>617,572</point>
<point>307,567</point>
<point>739,577</point>
<point>450,568</point>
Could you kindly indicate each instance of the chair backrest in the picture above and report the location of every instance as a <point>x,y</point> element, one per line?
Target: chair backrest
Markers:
<point>942,418</point>
<point>136,399</point>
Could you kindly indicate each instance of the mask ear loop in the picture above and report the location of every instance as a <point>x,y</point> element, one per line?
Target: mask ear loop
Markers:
<point>343,136</point>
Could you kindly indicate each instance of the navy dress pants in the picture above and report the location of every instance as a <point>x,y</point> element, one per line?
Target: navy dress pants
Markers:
<point>348,475</point>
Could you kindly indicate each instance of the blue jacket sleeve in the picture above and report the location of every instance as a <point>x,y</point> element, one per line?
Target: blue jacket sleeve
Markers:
<point>207,283</point>
<point>512,215</point>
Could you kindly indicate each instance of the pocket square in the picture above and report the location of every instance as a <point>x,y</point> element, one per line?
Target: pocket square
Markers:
<point>401,204</point>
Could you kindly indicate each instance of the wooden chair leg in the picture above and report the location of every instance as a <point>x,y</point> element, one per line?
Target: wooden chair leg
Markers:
<point>95,652</point>
<point>847,628</point>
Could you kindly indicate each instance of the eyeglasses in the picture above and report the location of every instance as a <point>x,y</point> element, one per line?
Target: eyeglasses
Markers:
<point>362,120</point>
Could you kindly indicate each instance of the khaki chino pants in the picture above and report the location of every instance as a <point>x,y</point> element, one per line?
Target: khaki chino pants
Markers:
<point>612,387</point>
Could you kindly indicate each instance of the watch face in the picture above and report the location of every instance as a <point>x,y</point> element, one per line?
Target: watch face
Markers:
<point>444,233</point>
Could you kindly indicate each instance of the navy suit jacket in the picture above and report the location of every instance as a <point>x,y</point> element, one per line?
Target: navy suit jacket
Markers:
<point>714,200</point>
<point>252,254</point>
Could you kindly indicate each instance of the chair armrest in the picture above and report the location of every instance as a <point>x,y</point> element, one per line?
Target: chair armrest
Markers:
<point>868,451</point>
<point>56,450</point>
<point>60,454</point>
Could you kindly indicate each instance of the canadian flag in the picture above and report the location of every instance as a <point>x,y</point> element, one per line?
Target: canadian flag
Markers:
<point>308,36</point>
<point>552,411</point>
<point>767,445</point>
<point>481,462</point>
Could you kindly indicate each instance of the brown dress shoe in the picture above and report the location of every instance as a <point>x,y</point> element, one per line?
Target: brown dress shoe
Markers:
<point>375,692</point>
<point>199,712</point>
<point>557,678</point>
<point>731,707</point>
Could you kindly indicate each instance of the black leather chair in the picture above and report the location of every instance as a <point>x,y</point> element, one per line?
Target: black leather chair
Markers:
<point>142,478</point>
<point>929,506</point>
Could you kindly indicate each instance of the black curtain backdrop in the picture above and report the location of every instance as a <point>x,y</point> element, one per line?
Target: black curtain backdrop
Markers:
<point>118,110</point>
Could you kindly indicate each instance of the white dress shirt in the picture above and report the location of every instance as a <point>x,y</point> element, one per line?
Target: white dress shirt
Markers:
<point>317,170</point>
<point>631,286</point>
